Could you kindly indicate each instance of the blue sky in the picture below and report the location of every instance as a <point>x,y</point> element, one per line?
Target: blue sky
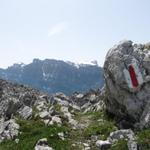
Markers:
<point>73,30</point>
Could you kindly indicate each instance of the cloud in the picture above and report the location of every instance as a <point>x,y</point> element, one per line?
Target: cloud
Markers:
<point>58,29</point>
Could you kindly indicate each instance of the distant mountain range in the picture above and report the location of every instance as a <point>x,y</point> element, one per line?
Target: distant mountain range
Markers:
<point>53,76</point>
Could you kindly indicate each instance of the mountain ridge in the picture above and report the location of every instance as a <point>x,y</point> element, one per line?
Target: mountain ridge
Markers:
<point>53,76</point>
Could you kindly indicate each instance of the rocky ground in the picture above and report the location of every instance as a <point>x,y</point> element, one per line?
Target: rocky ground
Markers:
<point>32,120</point>
<point>117,117</point>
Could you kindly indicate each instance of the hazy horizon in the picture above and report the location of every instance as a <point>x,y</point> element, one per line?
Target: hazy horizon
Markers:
<point>76,31</point>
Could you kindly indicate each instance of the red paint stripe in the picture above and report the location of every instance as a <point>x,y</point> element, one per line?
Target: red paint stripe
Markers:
<point>133,76</point>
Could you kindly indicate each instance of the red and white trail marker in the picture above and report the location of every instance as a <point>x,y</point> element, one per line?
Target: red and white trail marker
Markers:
<point>133,76</point>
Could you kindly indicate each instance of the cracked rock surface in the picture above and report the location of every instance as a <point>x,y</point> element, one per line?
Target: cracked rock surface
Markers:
<point>127,77</point>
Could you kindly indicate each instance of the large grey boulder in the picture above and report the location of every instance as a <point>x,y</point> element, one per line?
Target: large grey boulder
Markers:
<point>127,76</point>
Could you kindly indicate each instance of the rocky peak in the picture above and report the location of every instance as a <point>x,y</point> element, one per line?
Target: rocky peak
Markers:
<point>53,76</point>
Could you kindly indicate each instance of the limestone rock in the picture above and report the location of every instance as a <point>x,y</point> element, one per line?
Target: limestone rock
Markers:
<point>25,112</point>
<point>16,98</point>
<point>44,115</point>
<point>86,146</point>
<point>69,117</point>
<point>40,105</point>
<point>17,141</point>
<point>120,134</point>
<point>42,144</point>
<point>8,129</point>
<point>126,72</point>
<point>57,120</point>
<point>124,134</point>
<point>61,136</point>
<point>103,145</point>
<point>132,145</point>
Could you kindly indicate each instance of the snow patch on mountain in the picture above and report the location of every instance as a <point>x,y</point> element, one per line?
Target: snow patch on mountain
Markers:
<point>82,64</point>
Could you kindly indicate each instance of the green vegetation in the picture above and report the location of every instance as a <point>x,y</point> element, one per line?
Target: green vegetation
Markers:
<point>143,139</point>
<point>96,123</point>
<point>100,125</point>
<point>35,111</point>
<point>120,145</point>
<point>101,129</point>
<point>92,123</point>
<point>32,131</point>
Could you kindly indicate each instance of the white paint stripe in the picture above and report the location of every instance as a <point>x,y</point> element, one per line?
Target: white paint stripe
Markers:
<point>138,73</point>
<point>128,78</point>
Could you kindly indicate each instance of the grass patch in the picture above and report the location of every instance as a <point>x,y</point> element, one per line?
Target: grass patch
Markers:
<point>32,131</point>
<point>99,124</point>
<point>143,139</point>
<point>103,129</point>
<point>120,145</point>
